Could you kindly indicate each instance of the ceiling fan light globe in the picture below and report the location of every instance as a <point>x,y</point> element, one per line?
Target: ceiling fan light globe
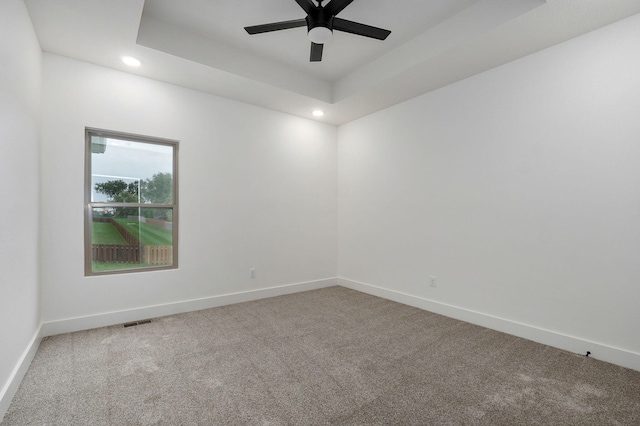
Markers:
<point>319,35</point>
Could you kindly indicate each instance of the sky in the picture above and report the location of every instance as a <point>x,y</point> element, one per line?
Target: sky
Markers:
<point>128,161</point>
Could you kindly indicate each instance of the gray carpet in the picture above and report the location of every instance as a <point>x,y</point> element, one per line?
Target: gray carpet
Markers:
<point>330,356</point>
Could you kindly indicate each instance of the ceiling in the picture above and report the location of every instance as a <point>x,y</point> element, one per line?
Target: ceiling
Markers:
<point>201,44</point>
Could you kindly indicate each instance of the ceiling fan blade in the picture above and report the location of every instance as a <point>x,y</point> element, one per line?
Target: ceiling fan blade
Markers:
<point>307,5</point>
<point>335,6</point>
<point>276,26</point>
<point>359,29</point>
<point>316,52</point>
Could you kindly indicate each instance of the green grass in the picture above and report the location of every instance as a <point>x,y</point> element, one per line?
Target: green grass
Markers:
<point>106,233</point>
<point>149,235</point>
<point>115,266</point>
<point>112,266</point>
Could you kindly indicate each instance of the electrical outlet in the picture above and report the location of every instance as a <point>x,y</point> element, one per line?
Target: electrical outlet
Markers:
<point>432,280</point>
<point>252,273</point>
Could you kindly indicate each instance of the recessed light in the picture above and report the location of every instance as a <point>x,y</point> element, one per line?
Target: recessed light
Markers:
<point>318,113</point>
<point>132,62</point>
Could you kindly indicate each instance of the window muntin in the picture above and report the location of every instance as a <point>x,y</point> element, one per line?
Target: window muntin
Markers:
<point>131,203</point>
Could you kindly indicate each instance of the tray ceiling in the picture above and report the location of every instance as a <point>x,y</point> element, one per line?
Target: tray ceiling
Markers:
<point>201,44</point>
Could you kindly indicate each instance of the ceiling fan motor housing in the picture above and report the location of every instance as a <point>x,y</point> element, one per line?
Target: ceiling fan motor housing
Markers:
<point>319,26</point>
<point>319,18</point>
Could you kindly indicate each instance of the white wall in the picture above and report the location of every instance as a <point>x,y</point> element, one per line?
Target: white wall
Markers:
<point>258,189</point>
<point>20,78</point>
<point>517,188</point>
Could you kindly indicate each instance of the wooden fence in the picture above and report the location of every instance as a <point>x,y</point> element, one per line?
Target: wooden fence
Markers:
<point>159,222</point>
<point>115,253</point>
<point>133,252</point>
<point>157,255</point>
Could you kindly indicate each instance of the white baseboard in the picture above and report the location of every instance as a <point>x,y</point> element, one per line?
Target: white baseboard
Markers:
<point>11,387</point>
<point>69,325</point>
<point>573,344</point>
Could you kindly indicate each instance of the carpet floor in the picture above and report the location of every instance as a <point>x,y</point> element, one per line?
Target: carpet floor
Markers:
<point>325,357</point>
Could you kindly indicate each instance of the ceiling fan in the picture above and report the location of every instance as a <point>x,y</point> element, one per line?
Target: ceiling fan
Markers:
<point>320,22</point>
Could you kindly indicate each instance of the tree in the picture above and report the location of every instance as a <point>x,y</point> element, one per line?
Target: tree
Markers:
<point>119,191</point>
<point>112,188</point>
<point>158,189</point>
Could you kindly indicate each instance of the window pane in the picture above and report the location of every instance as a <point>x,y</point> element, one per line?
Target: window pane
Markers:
<point>131,237</point>
<point>131,172</point>
<point>132,217</point>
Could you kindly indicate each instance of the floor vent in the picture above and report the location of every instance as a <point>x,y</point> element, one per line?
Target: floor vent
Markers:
<point>131,324</point>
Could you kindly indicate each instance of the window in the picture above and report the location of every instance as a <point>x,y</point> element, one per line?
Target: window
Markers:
<point>131,202</point>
